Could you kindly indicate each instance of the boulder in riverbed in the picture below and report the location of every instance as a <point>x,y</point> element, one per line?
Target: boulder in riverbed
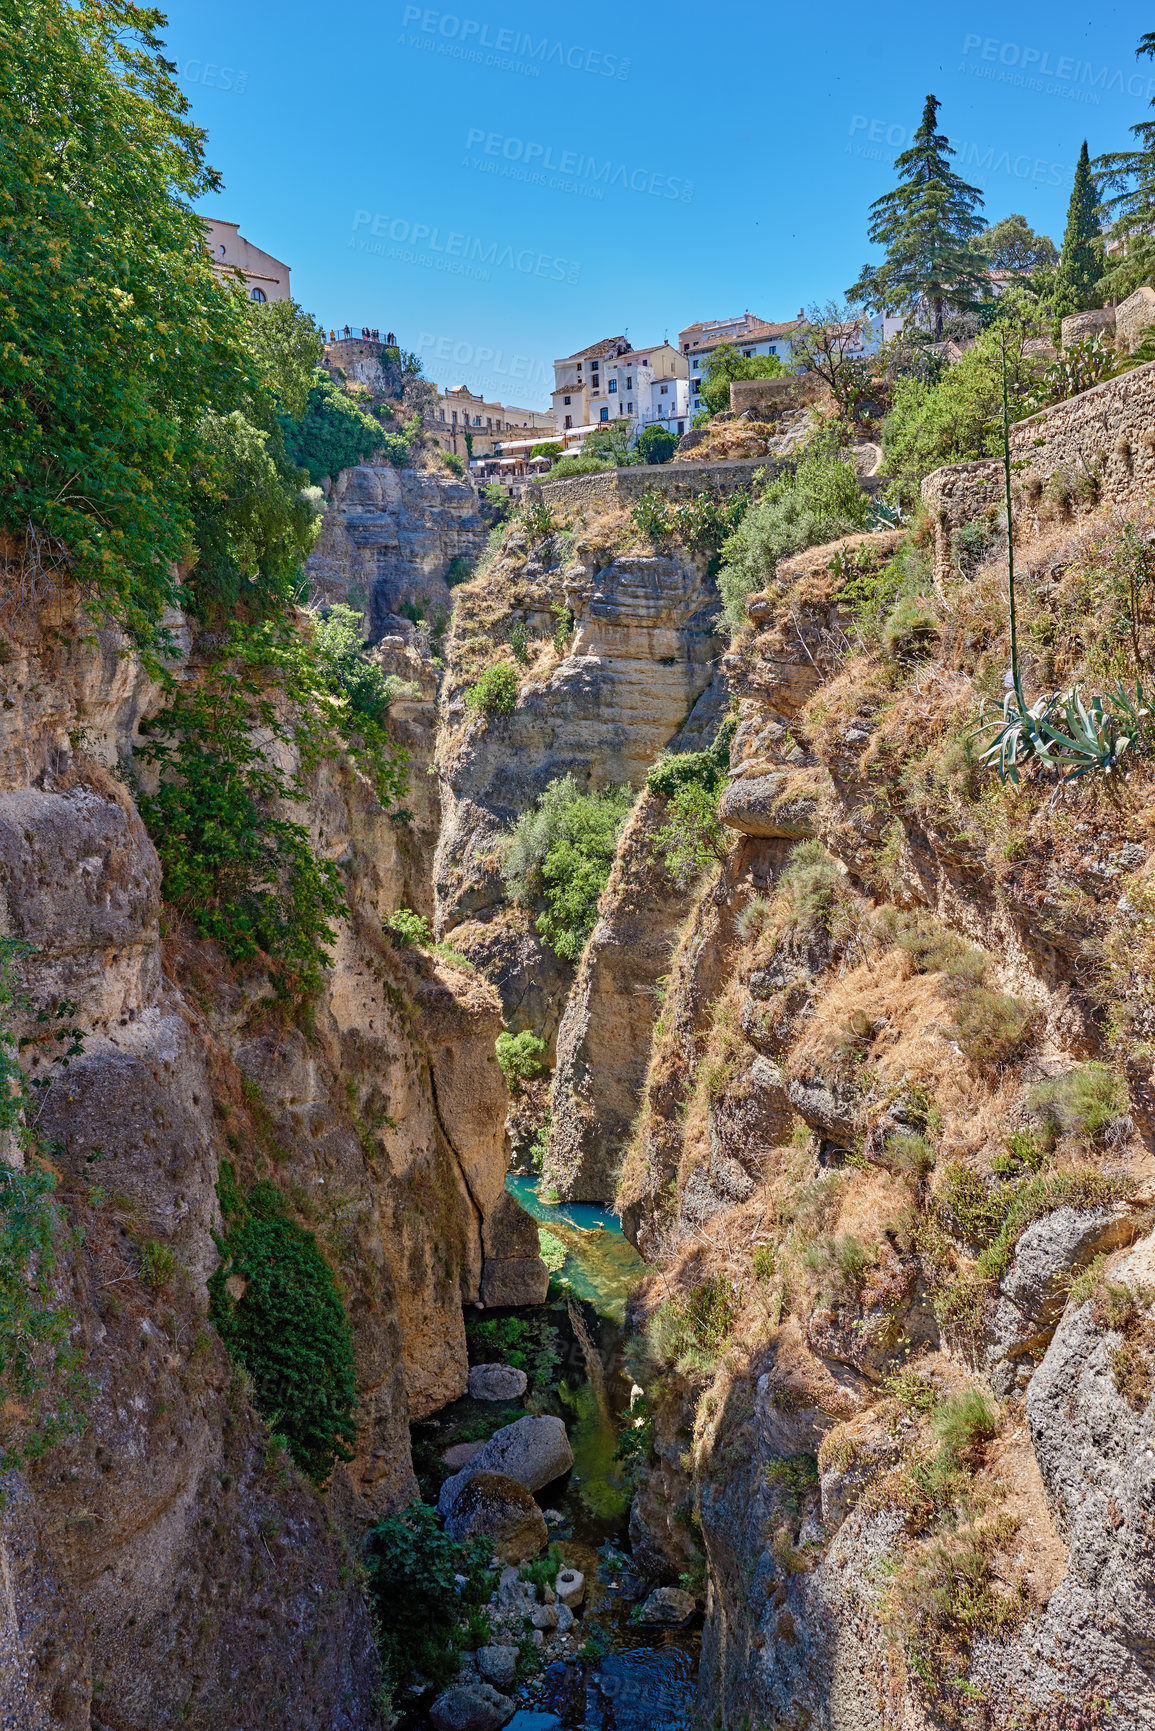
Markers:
<point>534,1451</point>
<point>496,1382</point>
<point>498,1665</point>
<point>668,1606</point>
<point>476,1707</point>
<point>493,1506</point>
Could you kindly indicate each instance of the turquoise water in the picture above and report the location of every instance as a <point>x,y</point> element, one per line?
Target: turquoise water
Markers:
<point>601,1266</point>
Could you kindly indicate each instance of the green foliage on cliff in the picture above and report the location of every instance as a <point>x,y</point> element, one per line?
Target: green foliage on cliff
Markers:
<point>561,852</point>
<point>413,1565</point>
<point>519,1056</point>
<point>495,692</point>
<point>1128,176</point>
<point>691,839</point>
<point>237,868</point>
<point>288,1328</point>
<point>817,501</point>
<point>333,433</point>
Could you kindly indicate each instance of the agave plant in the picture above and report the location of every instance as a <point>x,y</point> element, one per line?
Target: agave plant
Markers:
<point>1061,732</point>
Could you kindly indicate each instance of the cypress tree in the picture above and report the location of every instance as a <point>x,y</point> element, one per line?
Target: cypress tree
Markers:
<point>1081,263</point>
<point>1131,175</point>
<point>927,225</point>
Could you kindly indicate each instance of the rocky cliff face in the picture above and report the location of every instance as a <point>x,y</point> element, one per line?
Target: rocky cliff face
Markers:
<point>633,664</point>
<point>388,538</point>
<point>901,1350</point>
<point>166,1565</point>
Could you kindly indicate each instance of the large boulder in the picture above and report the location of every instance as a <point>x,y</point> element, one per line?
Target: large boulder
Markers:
<point>534,1451</point>
<point>496,1382</point>
<point>758,805</point>
<point>495,1507</point>
<point>669,1607</point>
<point>498,1665</point>
<point>471,1707</point>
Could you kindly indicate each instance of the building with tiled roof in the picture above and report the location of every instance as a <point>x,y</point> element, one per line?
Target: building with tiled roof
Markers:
<point>614,380</point>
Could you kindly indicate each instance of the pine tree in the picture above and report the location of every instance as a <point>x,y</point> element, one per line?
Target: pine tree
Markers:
<point>1132,175</point>
<point>927,225</point>
<point>1081,263</point>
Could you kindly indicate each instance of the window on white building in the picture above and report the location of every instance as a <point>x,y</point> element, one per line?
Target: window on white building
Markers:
<point>629,408</point>
<point>665,391</point>
<point>681,426</point>
<point>565,400</point>
<point>629,384</point>
<point>604,415</point>
<point>256,294</point>
<point>569,420</point>
<point>613,386</point>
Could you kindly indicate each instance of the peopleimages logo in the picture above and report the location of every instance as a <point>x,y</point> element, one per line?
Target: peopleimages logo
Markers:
<point>522,369</point>
<point>1078,80</point>
<point>523,159</point>
<point>973,158</point>
<point>459,254</point>
<point>472,36</point>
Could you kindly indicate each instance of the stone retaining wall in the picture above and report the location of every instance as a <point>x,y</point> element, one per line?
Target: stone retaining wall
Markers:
<point>677,481</point>
<point>1096,448</point>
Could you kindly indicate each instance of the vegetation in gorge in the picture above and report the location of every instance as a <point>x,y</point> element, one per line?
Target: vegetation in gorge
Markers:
<point>429,1595</point>
<point>520,1056</point>
<point>819,500</point>
<point>334,432</point>
<point>495,692</point>
<point>691,838</point>
<point>287,1326</point>
<point>527,1343</point>
<point>560,852</point>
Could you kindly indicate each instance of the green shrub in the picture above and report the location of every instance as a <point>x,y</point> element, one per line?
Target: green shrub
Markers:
<point>458,570</point>
<point>41,1386</point>
<point>543,1571</point>
<point>692,839</point>
<point>334,433</point>
<point>726,364</point>
<point>551,1249</point>
<point>561,852</point>
<point>1088,1102</point>
<point>409,930</point>
<point>992,1027</point>
<point>454,463</point>
<point>418,1603</point>
<point>796,1475</point>
<point>963,1422</point>
<point>969,543</point>
<point>288,1329</point>
<point>519,641</point>
<point>520,1056</point>
<point>157,1263</point>
<point>710,1310</point>
<point>495,692</point>
<point>656,445</point>
<point>809,887</point>
<point>818,501</point>
<point>911,629</point>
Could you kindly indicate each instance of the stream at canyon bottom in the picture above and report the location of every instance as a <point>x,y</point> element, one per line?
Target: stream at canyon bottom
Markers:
<point>644,1677</point>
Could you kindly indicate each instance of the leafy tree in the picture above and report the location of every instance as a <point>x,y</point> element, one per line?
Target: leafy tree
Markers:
<point>519,1056</point>
<point>562,852</point>
<point>817,501</point>
<point>726,364</point>
<point>414,1571</point>
<point>1081,262</point>
<point>287,343</point>
<point>609,443</point>
<point>333,433</point>
<point>959,419</point>
<point>927,225</point>
<point>1012,244</point>
<point>548,448</point>
<point>829,342</point>
<point>116,339</point>
<point>288,1328</point>
<point>1131,173</point>
<point>656,445</point>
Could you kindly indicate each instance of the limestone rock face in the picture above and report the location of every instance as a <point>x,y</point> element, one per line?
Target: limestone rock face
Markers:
<point>642,653</point>
<point>534,1451</point>
<point>388,536</point>
<point>604,1040</point>
<point>380,1119</point>
<point>761,805</point>
<point>496,1507</point>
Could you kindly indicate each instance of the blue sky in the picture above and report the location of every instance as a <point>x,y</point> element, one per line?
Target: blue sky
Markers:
<point>505,183</point>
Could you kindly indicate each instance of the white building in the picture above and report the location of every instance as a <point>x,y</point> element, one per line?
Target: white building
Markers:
<point>751,336</point>
<point>613,380</point>
<point>231,254</point>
